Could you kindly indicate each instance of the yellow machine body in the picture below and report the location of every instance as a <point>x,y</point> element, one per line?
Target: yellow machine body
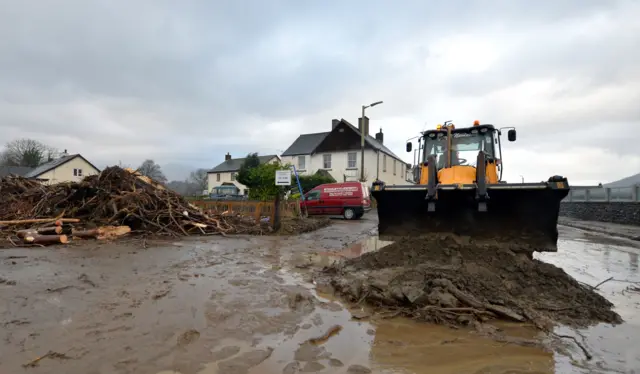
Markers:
<point>458,189</point>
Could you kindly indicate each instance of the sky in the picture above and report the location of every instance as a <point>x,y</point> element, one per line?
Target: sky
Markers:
<point>185,82</point>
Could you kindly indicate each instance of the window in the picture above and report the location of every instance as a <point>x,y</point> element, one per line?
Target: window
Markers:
<point>352,159</point>
<point>233,176</point>
<point>384,163</point>
<point>218,177</point>
<point>326,161</point>
<point>313,195</point>
<point>77,172</point>
<point>301,163</point>
<point>464,147</point>
<point>394,166</point>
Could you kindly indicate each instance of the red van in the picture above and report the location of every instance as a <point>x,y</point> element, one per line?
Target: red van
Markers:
<point>349,199</point>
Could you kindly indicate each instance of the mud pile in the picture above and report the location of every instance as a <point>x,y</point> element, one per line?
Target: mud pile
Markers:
<point>292,226</point>
<point>453,281</point>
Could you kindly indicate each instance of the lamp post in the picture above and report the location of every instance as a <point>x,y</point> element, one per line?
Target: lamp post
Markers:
<point>362,129</point>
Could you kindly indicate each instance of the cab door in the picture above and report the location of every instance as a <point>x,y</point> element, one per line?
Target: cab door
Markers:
<point>312,203</point>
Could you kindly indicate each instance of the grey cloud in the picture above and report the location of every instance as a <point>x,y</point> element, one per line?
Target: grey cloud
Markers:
<point>188,81</point>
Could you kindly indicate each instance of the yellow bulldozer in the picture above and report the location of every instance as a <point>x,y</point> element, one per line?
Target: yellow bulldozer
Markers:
<point>458,189</point>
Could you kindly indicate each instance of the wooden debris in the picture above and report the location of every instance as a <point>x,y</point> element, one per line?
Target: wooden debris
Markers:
<point>46,239</point>
<point>105,206</point>
<point>333,330</point>
<point>40,220</point>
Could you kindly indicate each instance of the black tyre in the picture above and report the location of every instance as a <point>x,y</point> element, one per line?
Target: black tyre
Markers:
<point>349,214</point>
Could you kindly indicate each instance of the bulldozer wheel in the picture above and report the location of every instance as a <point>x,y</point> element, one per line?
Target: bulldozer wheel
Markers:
<point>349,214</point>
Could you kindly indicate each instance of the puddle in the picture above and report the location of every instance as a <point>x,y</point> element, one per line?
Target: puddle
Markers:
<point>326,258</point>
<point>387,345</point>
<point>614,347</point>
<point>404,346</point>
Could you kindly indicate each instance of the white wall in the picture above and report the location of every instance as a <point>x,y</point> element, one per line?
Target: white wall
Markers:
<point>339,166</point>
<point>64,172</point>
<point>212,181</point>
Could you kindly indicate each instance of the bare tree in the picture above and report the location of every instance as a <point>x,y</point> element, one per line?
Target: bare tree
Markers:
<point>152,170</point>
<point>26,152</point>
<point>199,179</point>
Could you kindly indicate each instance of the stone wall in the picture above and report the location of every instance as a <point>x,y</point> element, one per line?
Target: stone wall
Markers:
<point>626,213</point>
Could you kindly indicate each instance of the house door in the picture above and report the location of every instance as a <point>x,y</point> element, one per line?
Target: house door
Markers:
<point>312,202</point>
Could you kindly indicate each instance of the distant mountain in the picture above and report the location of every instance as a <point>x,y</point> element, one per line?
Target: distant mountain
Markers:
<point>625,182</point>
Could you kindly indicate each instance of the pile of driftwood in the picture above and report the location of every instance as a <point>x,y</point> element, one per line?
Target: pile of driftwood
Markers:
<point>114,198</point>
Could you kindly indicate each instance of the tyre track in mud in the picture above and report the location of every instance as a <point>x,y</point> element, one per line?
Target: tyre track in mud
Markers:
<point>119,308</point>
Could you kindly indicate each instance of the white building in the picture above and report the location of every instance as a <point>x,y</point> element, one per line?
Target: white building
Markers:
<point>338,152</point>
<point>68,168</point>
<point>226,172</point>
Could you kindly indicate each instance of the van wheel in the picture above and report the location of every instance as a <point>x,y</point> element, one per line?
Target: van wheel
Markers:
<point>349,213</point>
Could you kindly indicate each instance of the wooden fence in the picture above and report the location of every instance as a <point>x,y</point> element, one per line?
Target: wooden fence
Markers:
<point>256,209</point>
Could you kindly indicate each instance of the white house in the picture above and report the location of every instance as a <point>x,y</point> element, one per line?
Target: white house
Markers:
<point>226,172</point>
<point>338,152</point>
<point>68,168</point>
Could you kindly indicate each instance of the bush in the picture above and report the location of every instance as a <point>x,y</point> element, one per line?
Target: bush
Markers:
<point>260,178</point>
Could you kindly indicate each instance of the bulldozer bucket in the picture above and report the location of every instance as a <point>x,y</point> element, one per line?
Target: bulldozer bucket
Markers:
<point>524,216</point>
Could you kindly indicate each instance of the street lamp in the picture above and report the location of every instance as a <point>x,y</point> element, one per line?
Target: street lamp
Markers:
<point>362,129</point>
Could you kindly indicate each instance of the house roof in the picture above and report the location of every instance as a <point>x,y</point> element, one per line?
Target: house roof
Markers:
<point>54,164</point>
<point>307,143</point>
<point>373,142</point>
<point>235,163</point>
<point>14,170</point>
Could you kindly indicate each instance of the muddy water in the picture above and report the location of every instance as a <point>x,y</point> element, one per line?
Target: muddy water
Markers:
<point>402,346</point>
<point>241,305</point>
<point>387,346</point>
<point>592,259</point>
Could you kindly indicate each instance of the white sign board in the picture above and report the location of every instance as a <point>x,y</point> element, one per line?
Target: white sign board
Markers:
<point>283,177</point>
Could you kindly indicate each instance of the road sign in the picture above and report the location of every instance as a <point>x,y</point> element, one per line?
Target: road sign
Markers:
<point>283,177</point>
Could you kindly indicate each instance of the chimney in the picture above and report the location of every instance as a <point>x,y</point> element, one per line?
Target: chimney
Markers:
<point>227,157</point>
<point>366,125</point>
<point>380,137</point>
<point>334,123</point>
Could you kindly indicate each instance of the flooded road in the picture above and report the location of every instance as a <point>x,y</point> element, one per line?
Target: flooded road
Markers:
<point>248,305</point>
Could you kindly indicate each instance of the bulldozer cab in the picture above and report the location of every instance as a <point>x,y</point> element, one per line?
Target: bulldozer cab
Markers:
<point>464,149</point>
<point>456,152</point>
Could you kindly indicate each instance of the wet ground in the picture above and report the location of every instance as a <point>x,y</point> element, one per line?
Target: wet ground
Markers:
<point>248,305</point>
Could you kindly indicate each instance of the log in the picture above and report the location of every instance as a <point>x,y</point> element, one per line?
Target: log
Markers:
<point>52,230</point>
<point>85,234</point>
<point>26,232</point>
<point>473,302</point>
<point>46,239</point>
<point>40,220</point>
<point>112,232</point>
<point>102,233</point>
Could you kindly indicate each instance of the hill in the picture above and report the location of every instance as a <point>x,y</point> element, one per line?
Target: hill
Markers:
<point>625,182</point>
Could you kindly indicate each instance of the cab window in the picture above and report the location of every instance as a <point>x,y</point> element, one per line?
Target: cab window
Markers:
<point>313,195</point>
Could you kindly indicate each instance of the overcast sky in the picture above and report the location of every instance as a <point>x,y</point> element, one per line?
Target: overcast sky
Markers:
<point>184,82</point>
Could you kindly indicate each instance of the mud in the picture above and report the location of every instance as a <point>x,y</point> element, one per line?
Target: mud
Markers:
<point>249,305</point>
<point>294,226</point>
<point>447,280</point>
